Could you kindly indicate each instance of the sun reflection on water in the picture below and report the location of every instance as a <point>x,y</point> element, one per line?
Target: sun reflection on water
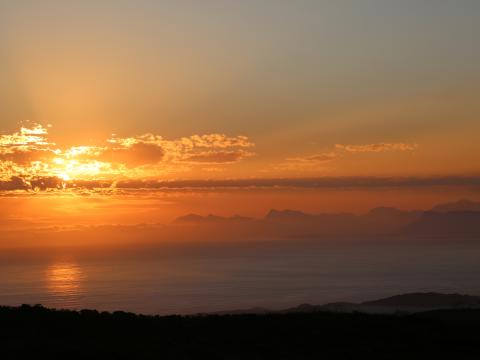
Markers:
<point>64,283</point>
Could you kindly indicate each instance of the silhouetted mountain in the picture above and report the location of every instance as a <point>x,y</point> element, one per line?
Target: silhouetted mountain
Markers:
<point>388,220</point>
<point>295,215</point>
<point>254,310</point>
<point>409,303</point>
<point>392,213</point>
<point>461,205</point>
<point>380,221</point>
<point>34,332</point>
<point>190,218</point>
<point>386,225</point>
<point>443,224</point>
<point>330,307</point>
<point>427,300</point>
<point>298,224</point>
<point>198,219</point>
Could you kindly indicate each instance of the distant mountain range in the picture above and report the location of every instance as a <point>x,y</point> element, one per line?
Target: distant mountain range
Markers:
<point>405,303</point>
<point>461,205</point>
<point>458,221</point>
<point>194,218</point>
<point>461,218</point>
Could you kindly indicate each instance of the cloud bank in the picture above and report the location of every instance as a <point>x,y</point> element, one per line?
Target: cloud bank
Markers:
<point>52,183</point>
<point>28,155</point>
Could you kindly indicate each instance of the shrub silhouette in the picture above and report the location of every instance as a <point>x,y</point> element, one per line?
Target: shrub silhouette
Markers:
<point>34,331</point>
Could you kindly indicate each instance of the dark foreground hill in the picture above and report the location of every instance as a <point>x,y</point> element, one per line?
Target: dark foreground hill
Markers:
<point>403,303</point>
<point>37,332</point>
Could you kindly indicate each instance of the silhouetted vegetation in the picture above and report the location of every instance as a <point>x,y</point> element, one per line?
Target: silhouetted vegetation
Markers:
<point>34,331</point>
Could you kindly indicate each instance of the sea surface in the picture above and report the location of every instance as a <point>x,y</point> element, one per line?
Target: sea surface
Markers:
<point>186,279</point>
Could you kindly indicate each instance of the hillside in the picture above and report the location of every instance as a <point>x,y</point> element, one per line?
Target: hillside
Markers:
<point>36,332</point>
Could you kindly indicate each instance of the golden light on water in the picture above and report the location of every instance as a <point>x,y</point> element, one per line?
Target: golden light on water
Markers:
<point>64,281</point>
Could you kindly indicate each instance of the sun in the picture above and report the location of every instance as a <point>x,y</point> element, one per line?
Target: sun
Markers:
<point>71,169</point>
<point>64,176</point>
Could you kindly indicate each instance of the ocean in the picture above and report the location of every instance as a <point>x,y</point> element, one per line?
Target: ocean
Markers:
<point>196,278</point>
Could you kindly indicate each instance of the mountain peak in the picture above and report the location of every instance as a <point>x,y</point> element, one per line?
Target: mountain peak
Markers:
<point>460,205</point>
<point>189,218</point>
<point>210,218</point>
<point>427,299</point>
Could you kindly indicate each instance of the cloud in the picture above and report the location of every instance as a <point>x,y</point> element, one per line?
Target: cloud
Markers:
<point>221,141</point>
<point>14,183</point>
<point>317,158</point>
<point>35,136</point>
<point>26,156</point>
<point>209,148</point>
<point>306,163</point>
<point>52,183</point>
<point>34,184</point>
<point>314,182</point>
<point>316,162</point>
<point>136,154</point>
<point>379,147</point>
<point>29,154</point>
<point>217,157</point>
<point>27,145</point>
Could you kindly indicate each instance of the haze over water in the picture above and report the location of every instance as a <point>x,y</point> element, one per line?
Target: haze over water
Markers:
<point>227,277</point>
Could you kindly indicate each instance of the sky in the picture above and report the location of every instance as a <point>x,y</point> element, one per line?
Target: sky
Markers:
<point>287,103</point>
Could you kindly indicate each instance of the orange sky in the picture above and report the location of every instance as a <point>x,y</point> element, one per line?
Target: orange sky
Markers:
<point>235,107</point>
<point>32,153</point>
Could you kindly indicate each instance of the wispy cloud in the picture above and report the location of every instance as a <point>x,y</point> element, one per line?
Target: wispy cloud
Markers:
<point>217,157</point>
<point>317,158</point>
<point>379,147</point>
<point>319,162</point>
<point>306,163</point>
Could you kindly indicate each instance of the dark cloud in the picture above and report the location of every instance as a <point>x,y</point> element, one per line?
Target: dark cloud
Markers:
<point>135,155</point>
<point>323,182</point>
<point>25,156</point>
<point>14,183</point>
<point>44,183</point>
<point>38,183</point>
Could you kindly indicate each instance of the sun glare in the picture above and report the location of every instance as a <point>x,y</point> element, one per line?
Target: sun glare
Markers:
<point>78,169</point>
<point>33,161</point>
<point>64,280</point>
